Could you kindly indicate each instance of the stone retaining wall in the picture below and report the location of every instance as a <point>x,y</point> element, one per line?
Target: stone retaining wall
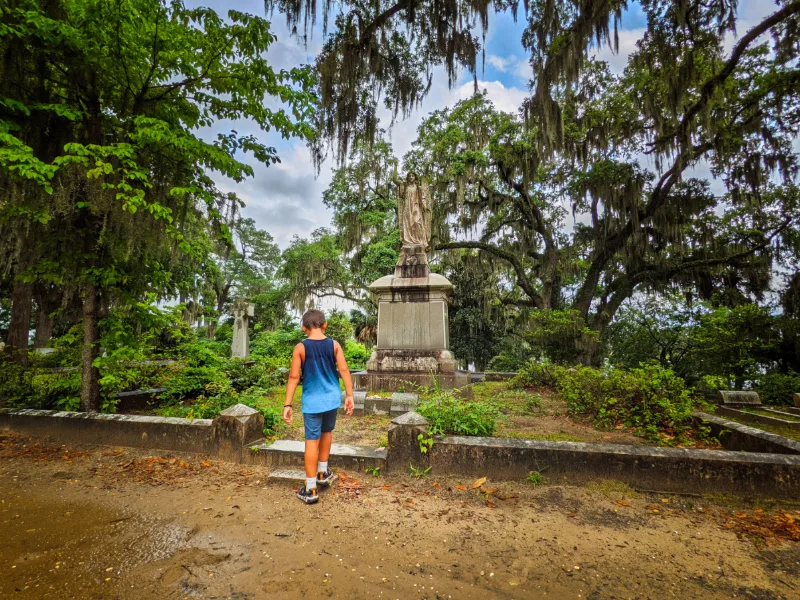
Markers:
<point>643,467</point>
<point>224,436</point>
<point>667,469</point>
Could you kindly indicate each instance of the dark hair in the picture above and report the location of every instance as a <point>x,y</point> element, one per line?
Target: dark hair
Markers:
<point>313,319</point>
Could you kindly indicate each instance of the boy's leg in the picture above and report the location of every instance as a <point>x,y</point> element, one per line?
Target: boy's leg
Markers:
<point>324,475</point>
<point>312,456</point>
<point>312,423</point>
<point>325,442</point>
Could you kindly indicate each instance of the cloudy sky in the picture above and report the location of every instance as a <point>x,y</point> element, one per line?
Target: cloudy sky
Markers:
<point>286,199</point>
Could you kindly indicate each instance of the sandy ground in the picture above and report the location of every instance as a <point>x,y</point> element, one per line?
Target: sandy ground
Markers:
<point>104,523</point>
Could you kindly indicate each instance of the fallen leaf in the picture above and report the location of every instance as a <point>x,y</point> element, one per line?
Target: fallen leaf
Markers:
<point>460,487</point>
<point>205,463</point>
<point>622,503</point>
<point>489,504</point>
<point>487,491</point>
<point>478,483</point>
<point>228,499</point>
<point>437,486</point>
<point>572,515</point>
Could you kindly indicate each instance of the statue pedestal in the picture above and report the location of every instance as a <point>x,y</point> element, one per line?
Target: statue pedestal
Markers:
<point>413,335</point>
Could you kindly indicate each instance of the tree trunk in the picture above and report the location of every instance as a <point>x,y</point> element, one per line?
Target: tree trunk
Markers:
<point>212,329</point>
<point>44,325</point>
<point>19,327</point>
<point>90,375</point>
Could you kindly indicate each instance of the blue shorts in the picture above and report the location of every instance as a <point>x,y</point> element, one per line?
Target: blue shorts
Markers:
<point>318,423</point>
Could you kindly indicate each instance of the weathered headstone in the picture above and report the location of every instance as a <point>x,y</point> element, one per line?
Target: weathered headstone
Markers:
<point>797,399</point>
<point>739,397</point>
<point>242,311</point>
<point>376,405</point>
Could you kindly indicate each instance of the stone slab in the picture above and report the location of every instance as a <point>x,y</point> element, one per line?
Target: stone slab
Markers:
<point>404,397</point>
<point>727,411</point>
<point>738,437</point>
<point>796,397</point>
<point>739,397</point>
<point>137,399</point>
<point>289,453</point>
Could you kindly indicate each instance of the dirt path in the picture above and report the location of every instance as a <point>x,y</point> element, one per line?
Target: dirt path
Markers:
<point>119,524</point>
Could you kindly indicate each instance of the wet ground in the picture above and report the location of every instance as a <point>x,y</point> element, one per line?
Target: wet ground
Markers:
<point>102,523</point>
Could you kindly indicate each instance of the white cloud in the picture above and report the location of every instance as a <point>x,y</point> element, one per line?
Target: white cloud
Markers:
<point>617,61</point>
<point>500,63</point>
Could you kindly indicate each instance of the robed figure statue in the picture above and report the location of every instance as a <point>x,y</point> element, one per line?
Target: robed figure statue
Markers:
<point>414,213</point>
<point>414,219</point>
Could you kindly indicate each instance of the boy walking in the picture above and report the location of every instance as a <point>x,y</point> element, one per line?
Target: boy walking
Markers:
<point>322,362</point>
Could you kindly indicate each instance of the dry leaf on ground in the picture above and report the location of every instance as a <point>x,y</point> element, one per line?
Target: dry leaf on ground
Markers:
<point>478,483</point>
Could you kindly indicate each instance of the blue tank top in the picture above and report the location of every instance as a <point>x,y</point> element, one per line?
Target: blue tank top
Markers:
<point>321,391</point>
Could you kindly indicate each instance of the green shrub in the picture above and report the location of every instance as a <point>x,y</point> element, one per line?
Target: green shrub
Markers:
<point>356,355</point>
<point>651,399</point>
<point>504,363</point>
<point>777,388</point>
<point>192,382</point>
<point>276,345</point>
<point>448,414</point>
<point>534,374</point>
<point>208,407</point>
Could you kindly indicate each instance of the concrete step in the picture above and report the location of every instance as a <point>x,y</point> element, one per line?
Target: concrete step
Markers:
<point>289,453</point>
<point>293,477</point>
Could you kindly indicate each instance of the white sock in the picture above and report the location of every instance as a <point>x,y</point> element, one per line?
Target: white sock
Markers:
<point>311,483</point>
<point>322,466</point>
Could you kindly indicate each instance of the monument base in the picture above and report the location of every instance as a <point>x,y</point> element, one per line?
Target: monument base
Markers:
<point>406,381</point>
<point>413,334</point>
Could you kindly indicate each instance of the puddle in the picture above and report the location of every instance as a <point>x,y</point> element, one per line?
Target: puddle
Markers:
<point>51,548</point>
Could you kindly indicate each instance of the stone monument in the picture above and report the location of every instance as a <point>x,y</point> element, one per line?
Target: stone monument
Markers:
<point>413,335</point>
<point>242,311</point>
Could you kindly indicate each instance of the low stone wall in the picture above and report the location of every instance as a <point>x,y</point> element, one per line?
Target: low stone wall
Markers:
<point>643,467</point>
<point>225,436</point>
<point>738,437</point>
<point>667,469</point>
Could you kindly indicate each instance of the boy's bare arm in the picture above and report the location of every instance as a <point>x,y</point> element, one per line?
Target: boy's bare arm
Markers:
<point>294,380</point>
<point>344,373</point>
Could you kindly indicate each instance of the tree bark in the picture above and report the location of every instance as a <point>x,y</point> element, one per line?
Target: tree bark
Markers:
<point>44,326</point>
<point>19,327</point>
<point>90,375</point>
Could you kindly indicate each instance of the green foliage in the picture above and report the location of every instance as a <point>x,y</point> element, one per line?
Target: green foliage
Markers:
<point>503,363</point>
<point>374,471</point>
<point>425,443</point>
<point>448,414</point>
<point>535,374</point>
<point>734,342</point>
<point>356,355</point>
<point>275,347</point>
<point>119,194</point>
<point>339,327</point>
<point>778,389</point>
<point>651,399</point>
<point>418,472</point>
<point>536,479</point>
<point>561,336</point>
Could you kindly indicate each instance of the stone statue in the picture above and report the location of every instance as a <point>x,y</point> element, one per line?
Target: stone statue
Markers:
<point>242,311</point>
<point>414,216</point>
